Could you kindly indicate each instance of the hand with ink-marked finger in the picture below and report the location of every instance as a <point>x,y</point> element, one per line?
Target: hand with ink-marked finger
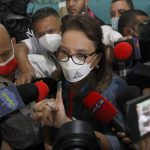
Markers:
<point>60,116</point>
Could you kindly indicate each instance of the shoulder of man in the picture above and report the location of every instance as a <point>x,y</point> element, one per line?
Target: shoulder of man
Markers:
<point>33,46</point>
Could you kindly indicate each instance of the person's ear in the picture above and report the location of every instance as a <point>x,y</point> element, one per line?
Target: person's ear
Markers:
<point>13,40</point>
<point>96,61</point>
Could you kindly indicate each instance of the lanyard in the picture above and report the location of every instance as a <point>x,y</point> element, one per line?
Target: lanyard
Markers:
<point>86,88</point>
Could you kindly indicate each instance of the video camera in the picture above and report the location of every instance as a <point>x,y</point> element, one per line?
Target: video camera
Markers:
<point>14,17</point>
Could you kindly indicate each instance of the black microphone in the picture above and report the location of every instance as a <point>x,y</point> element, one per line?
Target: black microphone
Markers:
<point>14,98</point>
<point>38,90</point>
<point>50,82</point>
<point>126,95</point>
<point>139,76</point>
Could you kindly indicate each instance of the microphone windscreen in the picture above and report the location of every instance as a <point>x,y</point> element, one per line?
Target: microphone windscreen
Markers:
<point>28,92</point>
<point>51,83</point>
<point>43,90</point>
<point>123,51</point>
<point>103,110</point>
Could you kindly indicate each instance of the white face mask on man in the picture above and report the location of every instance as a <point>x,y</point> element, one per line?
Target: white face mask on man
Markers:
<point>74,72</point>
<point>50,42</point>
<point>114,23</point>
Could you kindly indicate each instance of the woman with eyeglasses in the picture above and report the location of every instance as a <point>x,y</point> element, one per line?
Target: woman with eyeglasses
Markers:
<point>85,69</point>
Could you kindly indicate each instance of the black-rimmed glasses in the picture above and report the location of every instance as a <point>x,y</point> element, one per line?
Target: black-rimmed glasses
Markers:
<point>78,58</point>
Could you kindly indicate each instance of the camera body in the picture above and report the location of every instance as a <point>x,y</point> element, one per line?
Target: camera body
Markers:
<point>14,17</point>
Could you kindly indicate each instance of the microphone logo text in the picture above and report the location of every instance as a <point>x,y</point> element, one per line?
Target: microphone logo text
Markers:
<point>7,98</point>
<point>98,105</point>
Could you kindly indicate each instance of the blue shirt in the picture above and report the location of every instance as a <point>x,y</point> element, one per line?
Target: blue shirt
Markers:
<point>78,111</point>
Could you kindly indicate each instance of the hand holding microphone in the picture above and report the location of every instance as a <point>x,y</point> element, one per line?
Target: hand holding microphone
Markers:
<point>103,111</point>
<point>51,112</point>
<point>44,111</point>
<point>13,98</point>
<point>106,113</point>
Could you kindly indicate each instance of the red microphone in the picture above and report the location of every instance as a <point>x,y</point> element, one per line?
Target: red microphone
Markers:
<point>123,51</point>
<point>103,110</point>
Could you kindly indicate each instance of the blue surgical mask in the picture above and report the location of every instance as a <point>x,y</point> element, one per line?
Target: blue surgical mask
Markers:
<point>114,23</point>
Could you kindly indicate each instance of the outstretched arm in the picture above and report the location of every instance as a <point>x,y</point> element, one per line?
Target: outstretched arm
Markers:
<point>26,69</point>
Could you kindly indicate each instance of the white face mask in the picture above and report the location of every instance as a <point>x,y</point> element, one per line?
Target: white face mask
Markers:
<point>50,41</point>
<point>114,23</point>
<point>74,72</point>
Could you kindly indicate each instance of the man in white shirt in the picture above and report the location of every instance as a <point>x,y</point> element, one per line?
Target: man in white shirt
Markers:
<point>46,27</point>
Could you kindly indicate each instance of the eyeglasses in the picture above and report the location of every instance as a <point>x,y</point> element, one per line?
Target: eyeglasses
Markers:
<point>78,58</point>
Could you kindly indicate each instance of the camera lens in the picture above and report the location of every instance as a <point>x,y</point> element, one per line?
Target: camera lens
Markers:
<point>76,135</point>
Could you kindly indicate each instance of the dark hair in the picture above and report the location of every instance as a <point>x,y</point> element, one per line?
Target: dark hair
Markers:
<point>129,18</point>
<point>43,13</point>
<point>99,21</point>
<point>129,2</point>
<point>90,27</point>
<point>86,24</point>
<point>144,30</point>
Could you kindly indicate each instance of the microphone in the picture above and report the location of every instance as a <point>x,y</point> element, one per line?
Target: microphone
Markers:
<point>38,90</point>
<point>33,91</point>
<point>132,49</point>
<point>50,82</point>
<point>13,98</point>
<point>126,54</point>
<point>145,47</point>
<point>127,50</point>
<point>139,76</point>
<point>103,110</point>
<point>123,51</point>
<point>126,95</point>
